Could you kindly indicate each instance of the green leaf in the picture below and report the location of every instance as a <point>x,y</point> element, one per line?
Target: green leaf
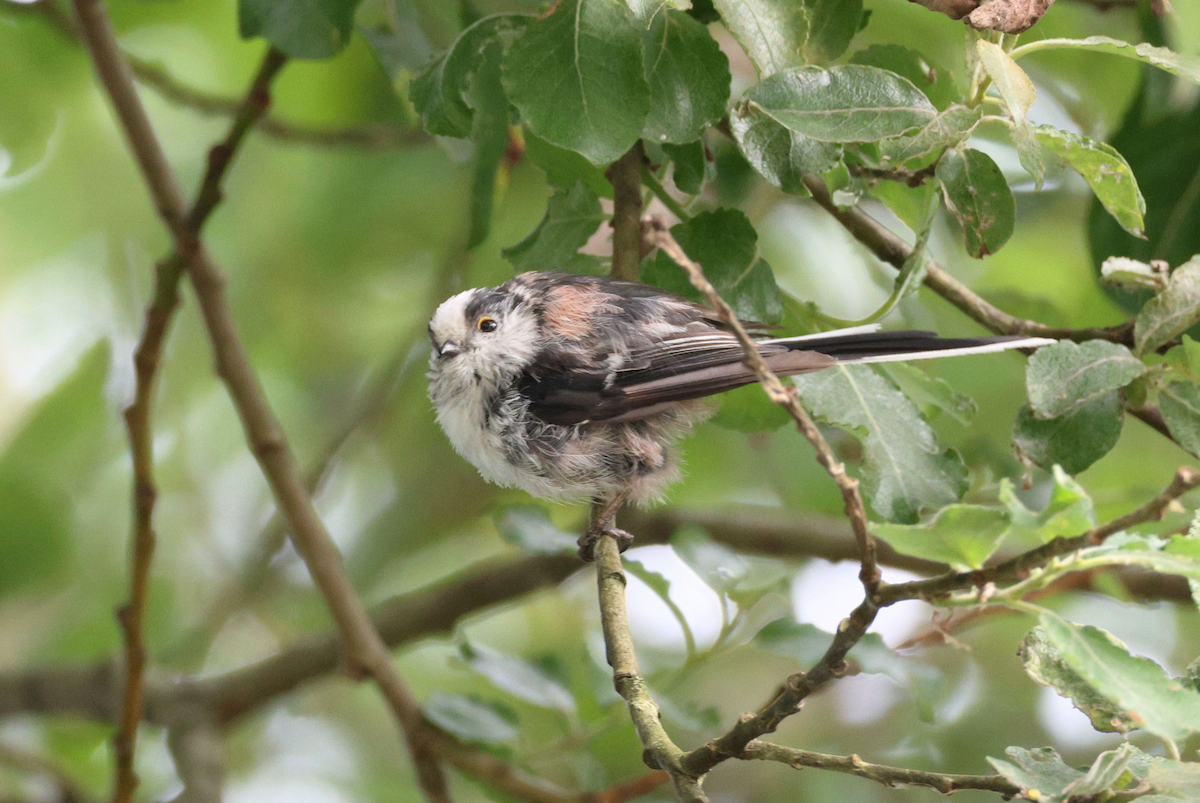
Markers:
<point>690,166</point>
<point>1106,172</point>
<point>1044,663</point>
<point>402,45</point>
<point>1040,769</point>
<point>1173,311</point>
<point>577,78</point>
<point>439,91</point>
<point>563,167</point>
<point>716,564</point>
<point>1104,774</point>
<point>1161,57</point>
<point>1065,377</point>
<point>933,394</point>
<point>688,77</point>
<point>518,677</point>
<point>726,246</point>
<point>1073,441</point>
<point>949,129</point>
<point>1132,274</point>
<point>961,536</point>
<point>303,29</point>
<point>489,132</point>
<point>1180,405</point>
<point>783,157</point>
<point>772,32</point>
<point>1018,94</point>
<point>1180,780</point>
<point>905,469</point>
<point>471,719</point>
<point>1069,512</point>
<point>846,103</point>
<point>530,529</point>
<point>1140,687</point>
<point>572,216</point>
<point>831,26</point>
<point>749,410</point>
<point>806,644</point>
<point>978,196</point>
<point>35,537</point>
<point>935,83</point>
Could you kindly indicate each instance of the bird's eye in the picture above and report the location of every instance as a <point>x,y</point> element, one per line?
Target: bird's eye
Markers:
<point>487,325</point>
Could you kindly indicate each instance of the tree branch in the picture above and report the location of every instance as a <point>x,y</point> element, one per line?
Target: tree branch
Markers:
<point>888,776</point>
<point>365,653</point>
<point>626,177</point>
<point>199,759</point>
<point>138,422</point>
<point>661,752</point>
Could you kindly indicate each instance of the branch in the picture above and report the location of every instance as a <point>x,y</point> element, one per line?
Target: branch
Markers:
<point>888,776</point>
<point>146,359</point>
<point>365,653</point>
<point>891,249</point>
<point>626,177</point>
<point>661,752</point>
<point>1186,478</point>
<point>199,758</point>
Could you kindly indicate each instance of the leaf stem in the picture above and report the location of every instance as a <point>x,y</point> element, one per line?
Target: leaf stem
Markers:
<point>660,192</point>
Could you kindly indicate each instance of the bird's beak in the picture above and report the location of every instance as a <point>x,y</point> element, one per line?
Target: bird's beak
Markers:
<point>446,350</point>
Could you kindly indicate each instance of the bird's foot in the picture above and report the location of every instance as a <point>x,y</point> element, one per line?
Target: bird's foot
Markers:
<point>587,541</point>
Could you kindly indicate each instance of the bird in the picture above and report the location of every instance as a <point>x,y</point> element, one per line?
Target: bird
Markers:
<point>578,388</point>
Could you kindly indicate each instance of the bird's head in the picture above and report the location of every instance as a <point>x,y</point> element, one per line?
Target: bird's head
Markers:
<point>484,336</point>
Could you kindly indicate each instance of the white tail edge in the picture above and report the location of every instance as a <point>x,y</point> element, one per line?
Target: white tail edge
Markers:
<point>1025,343</point>
<point>852,330</point>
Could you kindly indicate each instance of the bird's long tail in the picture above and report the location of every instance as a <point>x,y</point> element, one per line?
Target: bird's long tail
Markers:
<point>865,344</point>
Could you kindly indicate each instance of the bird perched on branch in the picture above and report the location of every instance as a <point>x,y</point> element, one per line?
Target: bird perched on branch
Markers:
<point>577,387</point>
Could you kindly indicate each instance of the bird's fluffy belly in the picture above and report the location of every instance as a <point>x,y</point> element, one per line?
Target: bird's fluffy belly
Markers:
<point>594,460</point>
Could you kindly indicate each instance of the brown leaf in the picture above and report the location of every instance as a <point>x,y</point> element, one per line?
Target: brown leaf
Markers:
<point>1008,16</point>
<point>954,9</point>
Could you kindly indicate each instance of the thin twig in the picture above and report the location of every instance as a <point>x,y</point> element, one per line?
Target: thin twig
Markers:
<point>1186,479</point>
<point>888,776</point>
<point>912,178</point>
<point>661,752</point>
<point>626,177</point>
<point>365,653</point>
<point>147,356</point>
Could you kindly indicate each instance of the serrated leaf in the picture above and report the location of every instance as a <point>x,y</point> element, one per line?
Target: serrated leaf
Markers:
<point>783,157</point>
<point>688,77</point>
<point>1065,377</point>
<point>470,719</point>
<point>530,529</point>
<point>520,678</point>
<point>726,246</point>
<point>1139,686</point>
<point>1173,311</point>
<point>1040,769</point>
<point>1073,441</point>
<point>845,103</point>
<point>572,216</point>
<point>961,536</point>
<point>577,78</point>
<point>978,196</point>
<point>905,468</point>
<point>936,84</point>
<point>1069,512</point>
<point>1106,172</point>
<point>1180,405</point>
<point>933,393</point>
<point>439,90</point>
<point>303,29</point>
<point>1045,664</point>
<point>1161,57</point>
<point>949,129</point>
<point>489,132</point>
<point>563,167</point>
<point>1132,274</point>
<point>690,166</point>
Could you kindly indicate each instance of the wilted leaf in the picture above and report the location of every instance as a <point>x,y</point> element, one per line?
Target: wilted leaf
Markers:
<point>726,246</point>
<point>905,469</point>
<point>1173,311</point>
<point>572,216</point>
<point>472,720</point>
<point>1106,172</point>
<point>846,103</point>
<point>301,28</point>
<point>1104,774</point>
<point>978,196</point>
<point>1139,686</point>
<point>577,78</point>
<point>1045,664</point>
<point>1073,441</point>
<point>688,77</point>
<point>961,536</point>
<point>782,156</point>
<point>1065,377</point>
<point>518,677</point>
<point>1132,274</point>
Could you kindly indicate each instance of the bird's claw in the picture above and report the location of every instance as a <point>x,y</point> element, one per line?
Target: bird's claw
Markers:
<point>587,541</point>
